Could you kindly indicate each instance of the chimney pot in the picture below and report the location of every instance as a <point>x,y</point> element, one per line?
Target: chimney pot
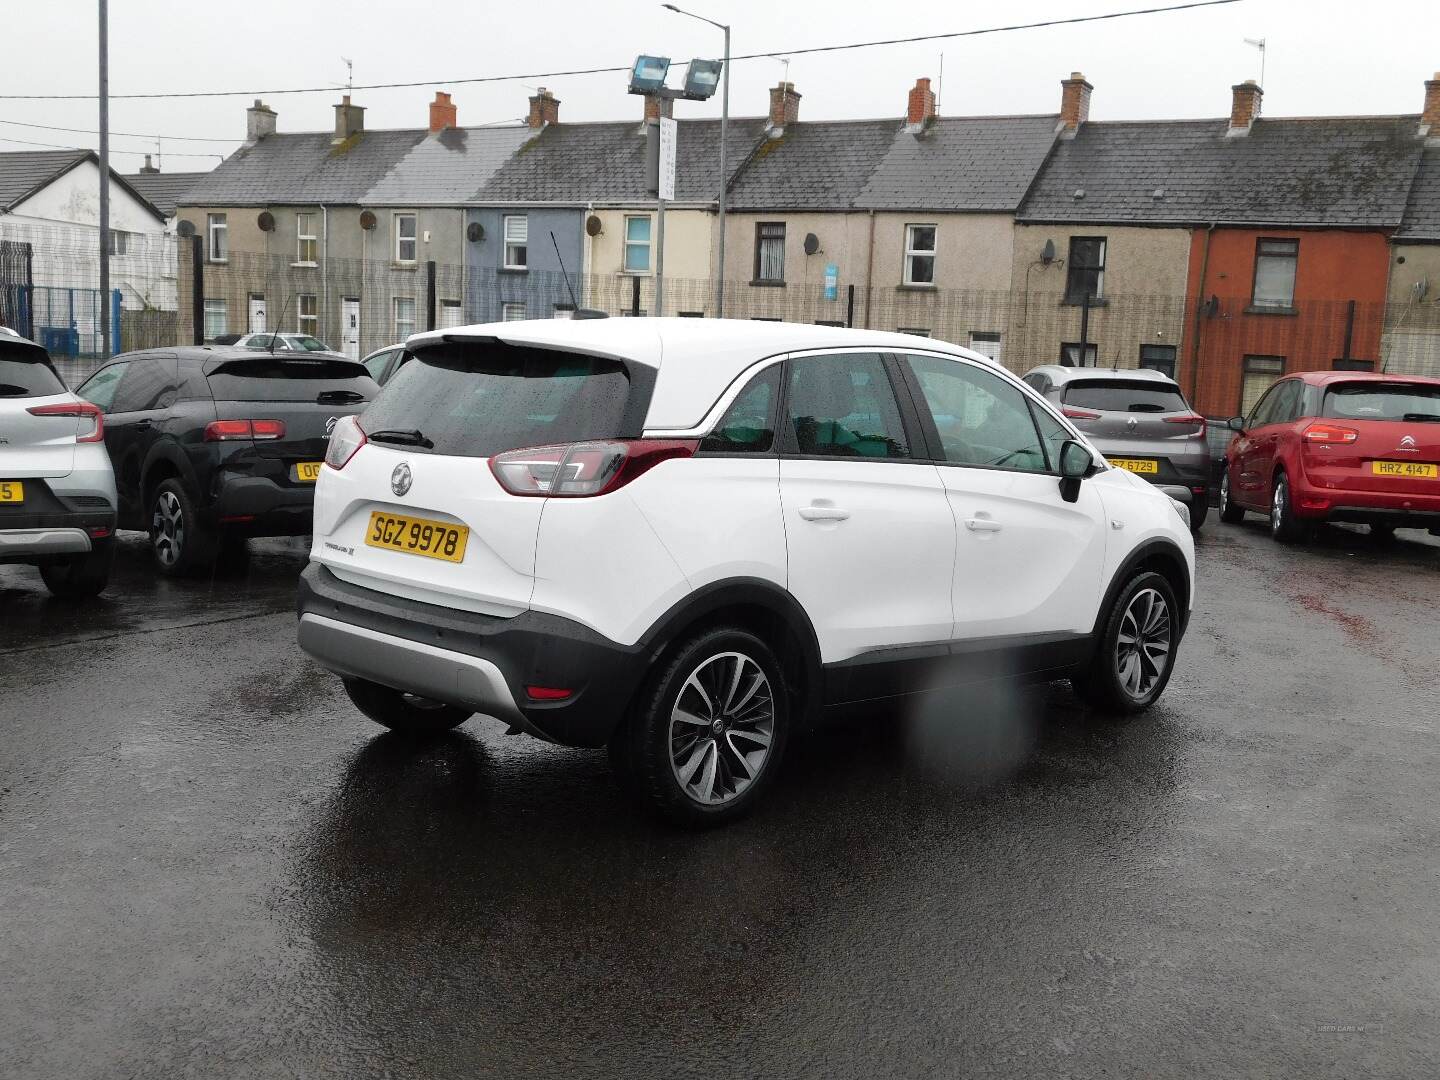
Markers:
<point>920,105</point>
<point>442,112</point>
<point>544,109</point>
<point>349,121</point>
<point>1430,114</point>
<point>784,107</point>
<point>259,121</point>
<point>1244,107</point>
<point>1074,104</point>
<point>148,167</point>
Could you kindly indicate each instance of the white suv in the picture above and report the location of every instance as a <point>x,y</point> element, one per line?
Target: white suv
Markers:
<point>680,538</point>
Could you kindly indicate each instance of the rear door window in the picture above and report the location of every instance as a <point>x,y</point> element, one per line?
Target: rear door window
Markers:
<point>150,383</point>
<point>21,376</point>
<point>100,388</point>
<point>1124,395</point>
<point>844,406</point>
<point>1408,402</point>
<point>478,399</point>
<point>290,377</point>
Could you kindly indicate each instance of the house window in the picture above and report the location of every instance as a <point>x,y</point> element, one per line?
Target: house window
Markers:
<point>1159,358</point>
<point>306,241</point>
<point>1275,273</point>
<point>920,254</point>
<point>517,233</point>
<point>1070,354</point>
<point>1258,372</point>
<point>119,242</point>
<point>770,251</point>
<point>219,235</point>
<point>512,311</point>
<point>308,318</point>
<point>405,240</point>
<point>637,245</point>
<point>451,314</point>
<point>1085,272</point>
<point>404,317</point>
<point>217,319</point>
<point>986,343</point>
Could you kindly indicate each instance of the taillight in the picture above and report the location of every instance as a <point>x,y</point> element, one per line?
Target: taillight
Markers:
<point>346,438</point>
<point>1329,433</point>
<point>229,430</point>
<point>1194,420</point>
<point>76,409</point>
<point>579,470</point>
<point>1079,414</point>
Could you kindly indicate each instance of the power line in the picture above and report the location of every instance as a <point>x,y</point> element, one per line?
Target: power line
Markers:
<point>80,149</point>
<point>125,134</point>
<point>533,76</point>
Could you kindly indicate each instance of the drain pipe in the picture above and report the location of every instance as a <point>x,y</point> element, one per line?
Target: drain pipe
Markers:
<point>1200,303</point>
<point>869,268</point>
<point>324,270</point>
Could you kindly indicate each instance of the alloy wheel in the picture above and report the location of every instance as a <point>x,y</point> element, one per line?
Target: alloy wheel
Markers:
<point>1142,649</point>
<point>1278,503</point>
<point>1225,491</point>
<point>721,728</point>
<point>167,528</point>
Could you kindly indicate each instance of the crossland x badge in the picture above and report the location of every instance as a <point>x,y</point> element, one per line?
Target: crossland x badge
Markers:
<point>400,479</point>
<point>1408,443</point>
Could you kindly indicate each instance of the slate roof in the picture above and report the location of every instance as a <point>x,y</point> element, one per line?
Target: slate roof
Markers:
<point>1422,213</point>
<point>162,189</point>
<point>22,171</point>
<point>605,163</point>
<point>983,163</point>
<point>449,167</point>
<point>814,165</point>
<point>1340,172</point>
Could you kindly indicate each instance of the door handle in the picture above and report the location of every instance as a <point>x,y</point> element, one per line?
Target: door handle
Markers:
<point>144,424</point>
<point>982,524</point>
<point>823,513</point>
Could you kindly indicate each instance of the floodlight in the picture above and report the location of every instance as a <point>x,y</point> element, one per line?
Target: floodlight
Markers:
<point>701,79</point>
<point>648,74</point>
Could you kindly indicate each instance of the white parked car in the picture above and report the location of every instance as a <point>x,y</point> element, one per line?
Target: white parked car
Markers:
<point>267,342</point>
<point>57,489</point>
<point>682,538</point>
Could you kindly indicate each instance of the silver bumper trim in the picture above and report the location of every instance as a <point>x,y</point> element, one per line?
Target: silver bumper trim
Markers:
<point>412,666</point>
<point>15,542</point>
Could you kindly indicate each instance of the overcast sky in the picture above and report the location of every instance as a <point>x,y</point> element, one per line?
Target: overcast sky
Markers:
<point>1325,57</point>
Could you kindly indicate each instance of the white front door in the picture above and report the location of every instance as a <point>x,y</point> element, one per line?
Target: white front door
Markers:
<point>350,327</point>
<point>870,536</point>
<point>256,322</point>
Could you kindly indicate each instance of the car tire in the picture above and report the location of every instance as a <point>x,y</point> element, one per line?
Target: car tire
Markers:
<point>707,732</point>
<point>81,576</point>
<point>1382,533</point>
<point>404,713</point>
<point>1231,512</point>
<point>1284,526</point>
<point>180,543</point>
<point>1131,669</point>
<point>1199,511</point>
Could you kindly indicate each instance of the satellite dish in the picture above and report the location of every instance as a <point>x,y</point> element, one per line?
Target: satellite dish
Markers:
<point>1047,253</point>
<point>367,219</point>
<point>475,232</point>
<point>593,225</point>
<point>185,229</point>
<point>266,221</point>
<point>812,243</point>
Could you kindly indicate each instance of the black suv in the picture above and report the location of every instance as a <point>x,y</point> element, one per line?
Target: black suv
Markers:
<point>213,445</point>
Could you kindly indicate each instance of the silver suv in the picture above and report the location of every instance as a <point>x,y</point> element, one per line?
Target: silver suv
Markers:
<point>57,490</point>
<point>1140,421</point>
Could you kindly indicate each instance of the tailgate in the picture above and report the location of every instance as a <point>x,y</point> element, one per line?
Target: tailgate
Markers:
<point>34,447</point>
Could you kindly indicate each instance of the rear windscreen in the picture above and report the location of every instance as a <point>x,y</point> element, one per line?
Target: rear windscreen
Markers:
<point>480,399</point>
<point>1382,401</point>
<point>1121,395</point>
<point>287,378</point>
<point>27,378</point>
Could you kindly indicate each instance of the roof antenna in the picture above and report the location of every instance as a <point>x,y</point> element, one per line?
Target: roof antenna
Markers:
<point>275,334</point>
<point>940,84</point>
<point>579,312</point>
<point>350,75</point>
<point>1259,43</point>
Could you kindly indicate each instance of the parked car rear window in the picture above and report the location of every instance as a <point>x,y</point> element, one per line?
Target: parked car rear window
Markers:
<point>1124,395</point>
<point>287,378</point>
<point>27,378</point>
<point>479,399</point>
<point>1412,402</point>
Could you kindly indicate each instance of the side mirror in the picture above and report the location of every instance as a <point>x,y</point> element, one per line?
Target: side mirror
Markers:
<point>1236,423</point>
<point>1076,463</point>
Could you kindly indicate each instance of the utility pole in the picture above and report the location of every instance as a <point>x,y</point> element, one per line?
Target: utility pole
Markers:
<point>105,349</point>
<point>724,174</point>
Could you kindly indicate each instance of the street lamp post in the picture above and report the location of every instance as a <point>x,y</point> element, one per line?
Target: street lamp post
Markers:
<point>724,124</point>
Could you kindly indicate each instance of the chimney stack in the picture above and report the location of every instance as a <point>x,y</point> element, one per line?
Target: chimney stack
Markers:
<point>349,121</point>
<point>1074,104</point>
<point>1244,107</point>
<point>442,112</point>
<point>657,106</point>
<point>148,167</point>
<point>1430,115</point>
<point>784,108</point>
<point>920,107</point>
<point>259,121</point>
<point>544,109</point>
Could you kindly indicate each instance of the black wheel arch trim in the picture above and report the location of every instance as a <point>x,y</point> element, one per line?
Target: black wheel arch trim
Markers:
<point>1150,549</point>
<point>167,453</point>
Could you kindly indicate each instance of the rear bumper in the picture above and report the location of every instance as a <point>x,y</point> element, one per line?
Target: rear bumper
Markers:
<point>259,506</point>
<point>1403,510</point>
<point>479,662</point>
<point>23,545</point>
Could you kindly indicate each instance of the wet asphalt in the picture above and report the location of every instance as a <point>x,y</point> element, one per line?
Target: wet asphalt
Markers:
<point>212,866</point>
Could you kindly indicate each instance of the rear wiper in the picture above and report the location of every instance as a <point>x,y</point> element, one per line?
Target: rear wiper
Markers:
<point>338,397</point>
<point>1421,418</point>
<point>402,436</point>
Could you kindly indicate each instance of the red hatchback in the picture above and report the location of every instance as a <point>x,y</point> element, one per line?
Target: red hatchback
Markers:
<point>1338,446</point>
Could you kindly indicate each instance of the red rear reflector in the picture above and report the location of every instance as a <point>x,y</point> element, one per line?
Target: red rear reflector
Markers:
<point>1329,433</point>
<point>1080,414</point>
<point>76,409</point>
<point>547,693</point>
<point>98,533</point>
<point>235,519</point>
<point>1314,503</point>
<point>226,430</point>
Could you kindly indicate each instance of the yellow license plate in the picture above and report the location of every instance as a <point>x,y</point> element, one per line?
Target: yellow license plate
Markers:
<point>12,491</point>
<point>307,472</point>
<point>1136,465</point>
<point>1405,468</point>
<point>417,536</point>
